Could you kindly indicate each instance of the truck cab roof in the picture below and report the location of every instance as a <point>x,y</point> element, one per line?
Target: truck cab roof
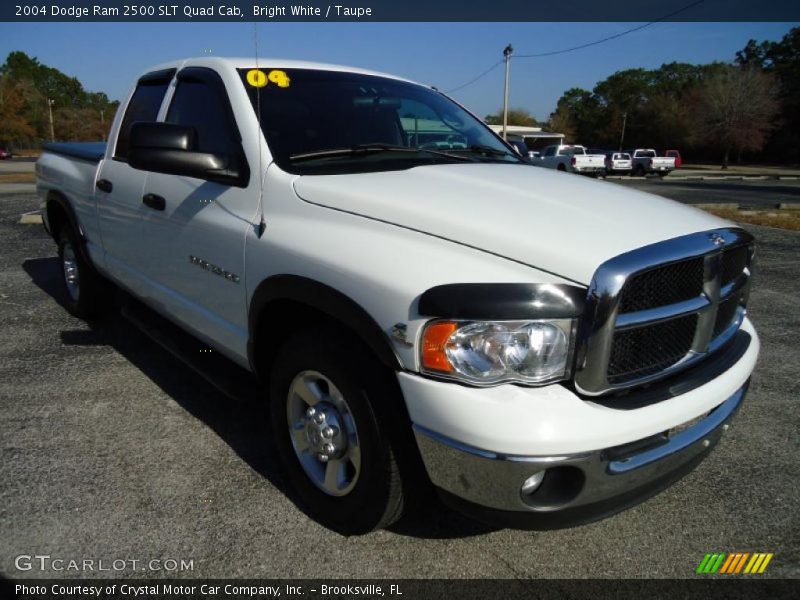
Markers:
<point>219,63</point>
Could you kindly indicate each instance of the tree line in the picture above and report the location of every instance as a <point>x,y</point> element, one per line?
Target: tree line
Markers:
<point>748,108</point>
<point>29,90</point>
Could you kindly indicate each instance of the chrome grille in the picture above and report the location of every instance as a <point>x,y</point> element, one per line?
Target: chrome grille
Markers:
<point>647,350</point>
<point>734,262</point>
<point>726,313</point>
<point>656,310</point>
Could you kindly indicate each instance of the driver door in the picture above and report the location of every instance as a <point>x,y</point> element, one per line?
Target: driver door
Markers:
<point>194,230</point>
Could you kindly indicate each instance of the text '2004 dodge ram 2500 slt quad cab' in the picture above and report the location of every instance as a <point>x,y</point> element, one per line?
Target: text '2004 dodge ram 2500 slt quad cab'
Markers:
<point>544,349</point>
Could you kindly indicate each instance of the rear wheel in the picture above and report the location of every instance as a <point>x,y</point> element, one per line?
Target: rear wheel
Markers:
<point>561,168</point>
<point>87,293</point>
<point>338,429</point>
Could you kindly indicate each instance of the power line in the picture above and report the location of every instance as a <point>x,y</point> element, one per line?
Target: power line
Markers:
<point>582,46</point>
<point>611,37</point>
<point>471,81</point>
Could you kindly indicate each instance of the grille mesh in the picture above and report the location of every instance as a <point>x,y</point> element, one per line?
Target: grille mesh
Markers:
<point>725,314</point>
<point>733,263</point>
<point>647,350</point>
<point>662,286</point>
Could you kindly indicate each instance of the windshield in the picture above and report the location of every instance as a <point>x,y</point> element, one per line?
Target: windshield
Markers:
<point>319,121</point>
<point>647,153</point>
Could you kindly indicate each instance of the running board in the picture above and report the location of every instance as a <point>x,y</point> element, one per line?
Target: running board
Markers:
<point>225,375</point>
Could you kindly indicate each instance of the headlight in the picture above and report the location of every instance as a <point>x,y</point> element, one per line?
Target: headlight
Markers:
<point>490,352</point>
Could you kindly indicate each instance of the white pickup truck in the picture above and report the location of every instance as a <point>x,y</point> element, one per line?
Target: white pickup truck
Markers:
<point>544,350</point>
<point>646,161</point>
<point>572,159</point>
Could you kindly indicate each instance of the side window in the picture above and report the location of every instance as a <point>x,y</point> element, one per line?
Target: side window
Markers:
<point>550,151</point>
<point>143,106</point>
<point>199,105</point>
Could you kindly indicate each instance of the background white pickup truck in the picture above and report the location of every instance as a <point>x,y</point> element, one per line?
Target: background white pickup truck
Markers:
<point>616,162</point>
<point>646,161</point>
<point>572,159</point>
<point>543,350</point>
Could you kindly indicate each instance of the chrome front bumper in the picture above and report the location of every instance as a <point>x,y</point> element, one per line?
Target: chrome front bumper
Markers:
<point>579,487</point>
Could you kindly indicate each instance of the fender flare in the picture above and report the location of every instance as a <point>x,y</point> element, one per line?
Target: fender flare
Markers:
<point>63,202</point>
<point>326,300</point>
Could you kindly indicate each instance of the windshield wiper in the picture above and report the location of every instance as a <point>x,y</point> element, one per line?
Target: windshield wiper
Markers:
<point>365,149</point>
<point>484,150</point>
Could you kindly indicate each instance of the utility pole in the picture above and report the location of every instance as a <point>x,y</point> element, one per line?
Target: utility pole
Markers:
<point>507,52</point>
<point>622,137</point>
<point>50,111</point>
<point>103,123</point>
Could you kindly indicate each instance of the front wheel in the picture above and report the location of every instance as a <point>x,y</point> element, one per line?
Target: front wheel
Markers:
<point>336,423</point>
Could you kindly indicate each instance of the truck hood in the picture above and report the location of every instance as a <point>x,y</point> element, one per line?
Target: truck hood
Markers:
<point>557,222</point>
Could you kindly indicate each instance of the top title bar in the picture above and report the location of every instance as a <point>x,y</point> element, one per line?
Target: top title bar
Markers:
<point>396,10</point>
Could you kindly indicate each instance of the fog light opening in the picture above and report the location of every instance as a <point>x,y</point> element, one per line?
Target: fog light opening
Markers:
<point>557,487</point>
<point>532,483</point>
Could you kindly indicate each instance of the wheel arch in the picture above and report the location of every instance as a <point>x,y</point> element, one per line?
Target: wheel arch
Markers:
<point>281,302</point>
<point>60,214</point>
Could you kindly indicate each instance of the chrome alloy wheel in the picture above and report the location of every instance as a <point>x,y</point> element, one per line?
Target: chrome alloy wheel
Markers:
<point>71,274</point>
<point>323,433</point>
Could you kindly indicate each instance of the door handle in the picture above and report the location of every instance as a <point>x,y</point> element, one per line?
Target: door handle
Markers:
<point>154,201</point>
<point>104,185</point>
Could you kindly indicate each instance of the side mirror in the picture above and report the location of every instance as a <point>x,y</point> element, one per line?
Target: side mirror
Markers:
<point>169,148</point>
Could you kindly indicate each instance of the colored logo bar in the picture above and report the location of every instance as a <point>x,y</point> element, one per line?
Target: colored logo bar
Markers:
<point>734,563</point>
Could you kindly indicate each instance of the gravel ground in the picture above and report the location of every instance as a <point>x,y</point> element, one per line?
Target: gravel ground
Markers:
<point>112,449</point>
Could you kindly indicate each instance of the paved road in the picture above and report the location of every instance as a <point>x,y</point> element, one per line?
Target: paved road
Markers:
<point>112,449</point>
<point>763,192</point>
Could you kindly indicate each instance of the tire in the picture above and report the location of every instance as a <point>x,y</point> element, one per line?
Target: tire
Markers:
<point>561,168</point>
<point>87,294</point>
<point>329,371</point>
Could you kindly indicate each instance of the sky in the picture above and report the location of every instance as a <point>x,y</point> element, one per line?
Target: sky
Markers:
<point>107,57</point>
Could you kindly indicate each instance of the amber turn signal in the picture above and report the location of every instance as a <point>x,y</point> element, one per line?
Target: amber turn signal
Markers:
<point>434,341</point>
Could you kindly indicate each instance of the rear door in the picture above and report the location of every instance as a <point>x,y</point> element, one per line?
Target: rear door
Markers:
<point>194,241</point>
<point>119,186</point>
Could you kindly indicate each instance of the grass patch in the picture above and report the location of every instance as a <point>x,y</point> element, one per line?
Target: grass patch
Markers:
<point>27,153</point>
<point>781,219</point>
<point>17,178</point>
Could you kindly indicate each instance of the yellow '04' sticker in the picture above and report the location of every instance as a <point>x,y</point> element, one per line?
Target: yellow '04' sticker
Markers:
<point>257,78</point>
<point>279,78</point>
